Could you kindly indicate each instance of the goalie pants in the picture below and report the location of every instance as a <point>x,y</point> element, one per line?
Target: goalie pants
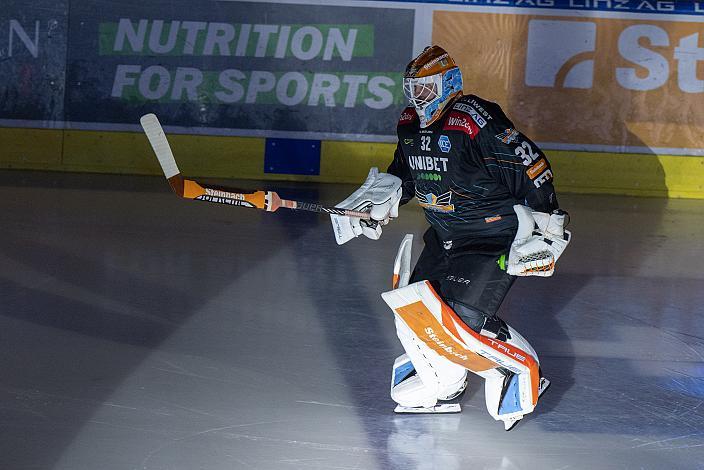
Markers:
<point>470,276</point>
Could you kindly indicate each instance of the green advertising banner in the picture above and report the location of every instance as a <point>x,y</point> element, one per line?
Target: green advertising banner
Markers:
<point>252,67</point>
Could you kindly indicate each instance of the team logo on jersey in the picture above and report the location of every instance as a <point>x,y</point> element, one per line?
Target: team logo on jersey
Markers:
<point>467,109</point>
<point>457,121</point>
<point>407,116</point>
<point>444,143</point>
<point>441,203</point>
<point>508,136</point>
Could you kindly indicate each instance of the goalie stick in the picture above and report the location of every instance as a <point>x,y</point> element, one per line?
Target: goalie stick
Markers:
<point>189,189</point>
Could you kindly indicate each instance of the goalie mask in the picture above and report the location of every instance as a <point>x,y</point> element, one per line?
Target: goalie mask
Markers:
<point>430,82</point>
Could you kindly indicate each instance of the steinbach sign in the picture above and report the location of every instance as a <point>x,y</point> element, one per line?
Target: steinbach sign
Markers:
<point>632,84</point>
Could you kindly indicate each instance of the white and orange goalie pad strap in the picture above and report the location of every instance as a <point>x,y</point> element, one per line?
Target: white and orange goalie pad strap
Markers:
<point>438,326</point>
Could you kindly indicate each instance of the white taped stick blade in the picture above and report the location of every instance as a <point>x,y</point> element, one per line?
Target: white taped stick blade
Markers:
<point>161,147</point>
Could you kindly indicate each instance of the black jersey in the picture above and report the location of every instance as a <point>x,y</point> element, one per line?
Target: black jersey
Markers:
<point>469,168</point>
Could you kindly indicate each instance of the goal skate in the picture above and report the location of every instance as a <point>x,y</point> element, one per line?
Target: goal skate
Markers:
<point>437,409</point>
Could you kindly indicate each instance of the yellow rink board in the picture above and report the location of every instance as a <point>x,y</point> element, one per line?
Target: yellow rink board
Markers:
<point>342,162</point>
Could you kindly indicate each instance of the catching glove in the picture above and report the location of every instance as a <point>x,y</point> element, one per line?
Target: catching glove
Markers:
<point>539,242</point>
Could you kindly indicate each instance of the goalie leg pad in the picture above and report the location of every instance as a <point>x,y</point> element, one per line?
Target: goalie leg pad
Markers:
<point>422,317</point>
<point>496,328</point>
<point>503,394</point>
<point>432,376</point>
<point>510,400</point>
<point>407,389</point>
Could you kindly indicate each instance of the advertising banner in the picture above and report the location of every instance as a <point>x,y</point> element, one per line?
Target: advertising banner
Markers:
<point>251,67</point>
<point>32,60</point>
<point>618,6</point>
<point>586,82</point>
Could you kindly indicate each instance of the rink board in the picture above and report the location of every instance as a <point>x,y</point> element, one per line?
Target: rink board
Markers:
<point>340,161</point>
<point>269,105</point>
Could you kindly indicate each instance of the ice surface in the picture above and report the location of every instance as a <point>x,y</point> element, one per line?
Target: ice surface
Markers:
<point>143,331</point>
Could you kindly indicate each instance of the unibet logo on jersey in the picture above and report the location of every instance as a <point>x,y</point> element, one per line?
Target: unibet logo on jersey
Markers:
<point>427,163</point>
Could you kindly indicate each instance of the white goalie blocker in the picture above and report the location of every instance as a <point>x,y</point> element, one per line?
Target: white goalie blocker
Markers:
<point>379,195</point>
<point>441,349</point>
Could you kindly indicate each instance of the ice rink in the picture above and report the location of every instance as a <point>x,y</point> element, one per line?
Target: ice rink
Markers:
<point>144,331</point>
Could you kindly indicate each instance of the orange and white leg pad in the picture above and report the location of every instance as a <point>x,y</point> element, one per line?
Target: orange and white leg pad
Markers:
<point>417,395</point>
<point>442,348</point>
<point>435,377</point>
